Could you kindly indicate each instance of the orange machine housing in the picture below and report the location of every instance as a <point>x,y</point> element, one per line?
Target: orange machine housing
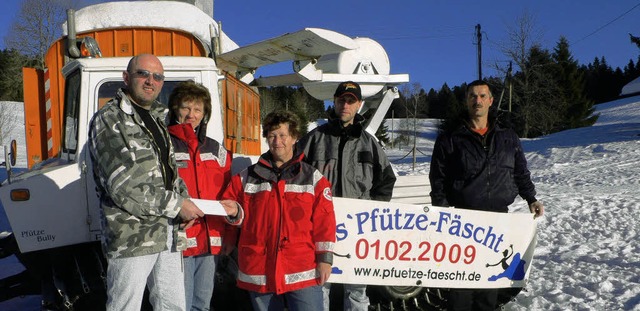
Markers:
<point>44,89</point>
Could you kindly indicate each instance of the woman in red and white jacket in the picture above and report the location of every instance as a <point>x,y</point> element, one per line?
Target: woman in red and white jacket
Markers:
<point>288,224</point>
<point>205,166</point>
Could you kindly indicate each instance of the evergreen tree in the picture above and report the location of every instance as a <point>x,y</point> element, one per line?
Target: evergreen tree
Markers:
<point>423,104</point>
<point>630,70</point>
<point>383,133</point>
<point>603,83</point>
<point>300,108</point>
<point>399,108</point>
<point>11,63</point>
<point>314,107</point>
<point>577,109</point>
<point>453,108</point>
<point>536,103</point>
<point>292,99</point>
<point>435,108</point>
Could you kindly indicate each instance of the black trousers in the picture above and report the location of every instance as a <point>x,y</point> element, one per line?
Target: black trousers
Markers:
<point>472,299</point>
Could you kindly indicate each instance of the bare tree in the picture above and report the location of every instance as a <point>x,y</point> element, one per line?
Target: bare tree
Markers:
<point>8,121</point>
<point>412,94</point>
<point>37,26</point>
<point>521,37</point>
<point>535,93</point>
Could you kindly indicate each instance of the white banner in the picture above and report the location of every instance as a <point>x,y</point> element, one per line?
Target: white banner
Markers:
<point>385,243</point>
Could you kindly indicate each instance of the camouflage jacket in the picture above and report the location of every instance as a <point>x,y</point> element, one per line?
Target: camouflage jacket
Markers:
<point>136,207</point>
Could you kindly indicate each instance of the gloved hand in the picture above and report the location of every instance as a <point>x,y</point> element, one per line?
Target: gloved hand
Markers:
<point>537,209</point>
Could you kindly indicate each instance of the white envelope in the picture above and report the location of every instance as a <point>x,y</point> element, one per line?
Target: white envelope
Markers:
<point>210,207</point>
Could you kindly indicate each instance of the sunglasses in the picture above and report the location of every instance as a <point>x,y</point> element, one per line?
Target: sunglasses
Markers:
<point>158,77</point>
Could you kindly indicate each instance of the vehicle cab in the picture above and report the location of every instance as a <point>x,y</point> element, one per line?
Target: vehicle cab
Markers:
<point>62,189</point>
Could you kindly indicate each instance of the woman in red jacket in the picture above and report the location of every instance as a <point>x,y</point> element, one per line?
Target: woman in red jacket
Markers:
<point>205,166</point>
<point>288,225</point>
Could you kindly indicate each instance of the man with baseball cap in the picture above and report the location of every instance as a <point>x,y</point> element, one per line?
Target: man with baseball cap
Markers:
<point>353,161</point>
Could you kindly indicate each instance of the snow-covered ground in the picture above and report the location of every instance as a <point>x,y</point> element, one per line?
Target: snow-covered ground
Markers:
<point>587,253</point>
<point>587,257</point>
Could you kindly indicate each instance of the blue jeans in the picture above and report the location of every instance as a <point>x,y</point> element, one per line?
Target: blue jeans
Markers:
<point>199,274</point>
<point>306,299</point>
<point>355,297</point>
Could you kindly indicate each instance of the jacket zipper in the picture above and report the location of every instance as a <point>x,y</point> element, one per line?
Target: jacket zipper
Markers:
<point>279,228</point>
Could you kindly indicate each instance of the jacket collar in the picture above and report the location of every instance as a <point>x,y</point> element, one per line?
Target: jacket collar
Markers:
<point>265,168</point>
<point>185,131</point>
<point>125,103</point>
<point>354,130</point>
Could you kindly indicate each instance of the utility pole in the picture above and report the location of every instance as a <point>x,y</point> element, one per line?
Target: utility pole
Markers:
<point>510,84</point>
<point>479,38</point>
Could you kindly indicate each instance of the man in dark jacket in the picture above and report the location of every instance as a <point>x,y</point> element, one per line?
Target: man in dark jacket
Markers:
<point>355,164</point>
<point>479,165</point>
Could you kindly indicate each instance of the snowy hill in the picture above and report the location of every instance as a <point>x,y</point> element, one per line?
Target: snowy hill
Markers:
<point>587,253</point>
<point>587,178</point>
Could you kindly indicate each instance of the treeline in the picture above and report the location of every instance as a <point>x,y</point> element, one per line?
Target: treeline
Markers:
<point>11,63</point>
<point>551,92</point>
<point>294,99</point>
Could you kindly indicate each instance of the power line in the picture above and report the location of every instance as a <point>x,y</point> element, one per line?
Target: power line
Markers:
<point>400,37</point>
<point>609,23</point>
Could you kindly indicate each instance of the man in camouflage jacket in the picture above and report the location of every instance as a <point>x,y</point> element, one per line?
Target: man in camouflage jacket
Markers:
<point>142,198</point>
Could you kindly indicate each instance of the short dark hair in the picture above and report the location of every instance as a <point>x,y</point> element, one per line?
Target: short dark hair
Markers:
<point>273,120</point>
<point>189,91</point>
<point>478,83</point>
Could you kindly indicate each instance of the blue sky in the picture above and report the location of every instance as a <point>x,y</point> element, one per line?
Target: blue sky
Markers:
<point>433,41</point>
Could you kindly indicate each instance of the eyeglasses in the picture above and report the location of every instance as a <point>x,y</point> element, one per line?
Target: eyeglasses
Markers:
<point>158,77</point>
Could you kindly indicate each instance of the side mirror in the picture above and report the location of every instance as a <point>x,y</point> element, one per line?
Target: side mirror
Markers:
<point>13,152</point>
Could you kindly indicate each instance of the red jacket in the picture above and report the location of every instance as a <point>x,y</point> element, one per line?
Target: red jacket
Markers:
<point>205,166</point>
<point>288,226</point>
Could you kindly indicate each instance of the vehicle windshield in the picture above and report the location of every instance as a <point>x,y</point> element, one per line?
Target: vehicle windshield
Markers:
<point>108,90</point>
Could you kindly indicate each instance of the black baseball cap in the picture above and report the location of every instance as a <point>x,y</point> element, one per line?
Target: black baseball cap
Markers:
<point>348,87</point>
